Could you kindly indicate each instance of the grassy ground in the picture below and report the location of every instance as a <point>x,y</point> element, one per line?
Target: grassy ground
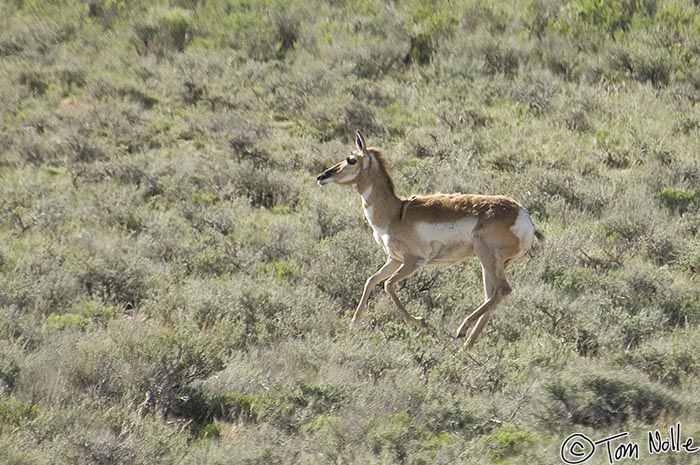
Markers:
<point>176,289</point>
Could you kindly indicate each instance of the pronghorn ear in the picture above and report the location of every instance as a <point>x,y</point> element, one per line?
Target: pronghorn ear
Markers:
<point>360,142</point>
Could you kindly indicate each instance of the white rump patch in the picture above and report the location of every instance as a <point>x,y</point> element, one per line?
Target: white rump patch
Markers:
<point>524,229</point>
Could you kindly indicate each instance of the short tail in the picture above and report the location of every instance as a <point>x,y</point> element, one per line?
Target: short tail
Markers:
<point>540,237</point>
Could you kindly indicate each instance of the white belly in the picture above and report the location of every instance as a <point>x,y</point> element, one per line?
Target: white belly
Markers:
<point>447,233</point>
<point>446,243</point>
<point>439,243</point>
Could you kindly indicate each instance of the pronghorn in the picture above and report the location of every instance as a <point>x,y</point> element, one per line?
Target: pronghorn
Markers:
<point>437,229</point>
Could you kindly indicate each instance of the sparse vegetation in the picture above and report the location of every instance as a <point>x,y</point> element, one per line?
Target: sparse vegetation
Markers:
<point>175,288</point>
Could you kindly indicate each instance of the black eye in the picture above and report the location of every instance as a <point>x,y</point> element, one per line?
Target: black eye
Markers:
<point>351,161</point>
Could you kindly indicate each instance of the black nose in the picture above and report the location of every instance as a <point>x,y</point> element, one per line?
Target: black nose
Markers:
<point>323,175</point>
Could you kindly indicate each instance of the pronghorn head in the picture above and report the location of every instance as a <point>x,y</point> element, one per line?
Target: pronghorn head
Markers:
<point>349,170</point>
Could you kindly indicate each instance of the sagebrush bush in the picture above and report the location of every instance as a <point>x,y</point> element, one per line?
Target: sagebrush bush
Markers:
<point>163,31</point>
<point>606,399</point>
<point>666,362</point>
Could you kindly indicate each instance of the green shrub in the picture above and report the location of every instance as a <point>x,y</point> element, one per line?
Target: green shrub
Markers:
<point>422,49</point>
<point>67,321</point>
<point>37,150</point>
<point>667,362</point>
<point>573,191</point>
<point>691,260</point>
<point>651,298</point>
<point>35,81</point>
<point>341,264</point>
<point>279,269</point>
<point>508,441</point>
<point>15,413</point>
<point>663,251</point>
<point>165,367</point>
<point>603,399</point>
<point>9,372</point>
<point>392,436</point>
<point>114,278</point>
<point>536,92</point>
<point>540,14</point>
<point>264,31</point>
<point>163,31</point>
<point>647,63</point>
<point>238,406</point>
<point>265,188</point>
<point>210,431</point>
<point>500,59</point>
<point>106,12</point>
<point>678,200</point>
<point>688,123</point>
<point>10,452</point>
<point>71,79</point>
<point>611,17</point>
<point>335,119</point>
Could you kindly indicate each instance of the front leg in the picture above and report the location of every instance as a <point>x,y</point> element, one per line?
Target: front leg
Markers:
<point>409,266</point>
<point>384,272</point>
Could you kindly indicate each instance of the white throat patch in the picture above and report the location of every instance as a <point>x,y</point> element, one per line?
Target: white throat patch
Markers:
<point>366,194</point>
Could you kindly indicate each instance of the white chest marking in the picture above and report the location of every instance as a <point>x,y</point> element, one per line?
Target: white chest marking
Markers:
<point>381,235</point>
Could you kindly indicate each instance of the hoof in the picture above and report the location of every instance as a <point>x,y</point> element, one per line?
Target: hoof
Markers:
<point>356,316</point>
<point>462,331</point>
<point>419,322</point>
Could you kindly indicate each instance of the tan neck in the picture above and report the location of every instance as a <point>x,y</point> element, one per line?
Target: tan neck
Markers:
<point>379,201</point>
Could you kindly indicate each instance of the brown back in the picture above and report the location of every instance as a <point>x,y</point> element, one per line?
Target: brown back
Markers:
<point>446,208</point>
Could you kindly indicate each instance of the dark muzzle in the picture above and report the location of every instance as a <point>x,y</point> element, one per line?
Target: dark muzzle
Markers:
<point>325,175</point>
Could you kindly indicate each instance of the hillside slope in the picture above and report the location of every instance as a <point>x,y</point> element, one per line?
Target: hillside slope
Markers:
<point>176,289</point>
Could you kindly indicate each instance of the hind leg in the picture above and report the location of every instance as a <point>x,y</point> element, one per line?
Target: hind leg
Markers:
<point>489,291</point>
<point>495,287</point>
